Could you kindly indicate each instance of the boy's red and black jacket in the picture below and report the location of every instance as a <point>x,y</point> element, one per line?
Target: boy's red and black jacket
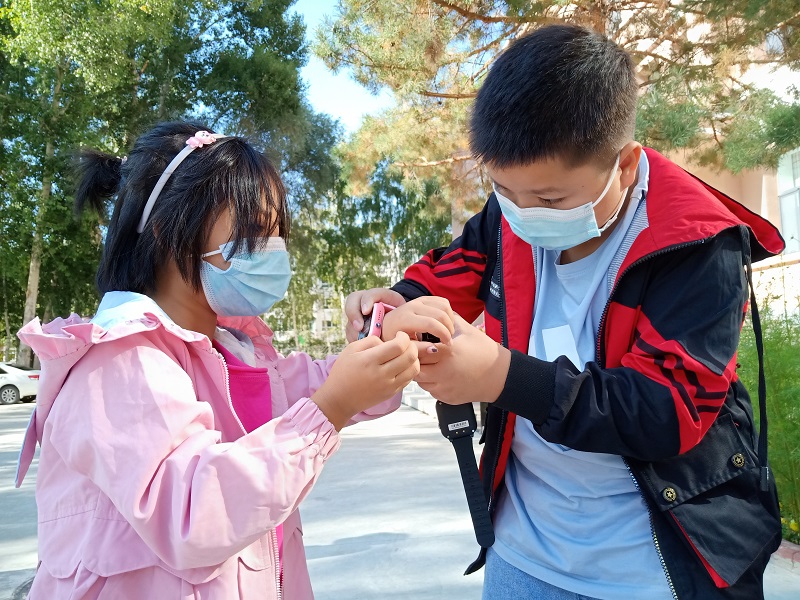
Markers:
<point>663,392</point>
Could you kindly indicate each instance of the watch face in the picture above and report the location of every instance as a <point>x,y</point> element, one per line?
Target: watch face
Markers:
<point>365,329</point>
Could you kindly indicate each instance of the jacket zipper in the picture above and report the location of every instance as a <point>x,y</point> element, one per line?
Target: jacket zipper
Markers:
<point>601,364</point>
<point>274,538</point>
<point>272,533</point>
<point>653,535</point>
<point>504,343</point>
<point>228,390</point>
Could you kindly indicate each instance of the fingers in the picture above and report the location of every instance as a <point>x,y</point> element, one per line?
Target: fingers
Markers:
<point>385,352</point>
<point>387,296</point>
<point>360,303</point>
<point>462,326</point>
<point>366,343</point>
<point>428,374</point>
<point>407,375</point>
<point>431,354</point>
<point>352,311</point>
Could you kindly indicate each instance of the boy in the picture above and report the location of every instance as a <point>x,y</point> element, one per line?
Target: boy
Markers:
<point>620,450</point>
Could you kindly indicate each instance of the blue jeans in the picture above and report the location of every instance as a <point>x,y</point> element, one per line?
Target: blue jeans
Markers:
<point>501,581</point>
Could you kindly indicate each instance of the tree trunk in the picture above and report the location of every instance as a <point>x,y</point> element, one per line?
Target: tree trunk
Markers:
<point>7,344</point>
<point>32,291</point>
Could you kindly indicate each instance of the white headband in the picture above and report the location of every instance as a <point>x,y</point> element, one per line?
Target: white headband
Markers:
<point>198,140</point>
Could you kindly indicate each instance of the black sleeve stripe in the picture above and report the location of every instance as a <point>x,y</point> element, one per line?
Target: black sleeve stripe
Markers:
<point>466,258</point>
<point>702,393</point>
<point>659,361</point>
<point>457,271</point>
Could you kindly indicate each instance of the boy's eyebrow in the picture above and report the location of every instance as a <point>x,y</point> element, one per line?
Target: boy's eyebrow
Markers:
<point>537,192</point>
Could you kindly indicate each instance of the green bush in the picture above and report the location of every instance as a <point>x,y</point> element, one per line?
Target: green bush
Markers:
<point>781,334</point>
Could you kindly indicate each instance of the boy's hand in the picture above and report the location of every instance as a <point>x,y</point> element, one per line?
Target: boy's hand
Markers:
<point>472,369</point>
<point>428,314</point>
<point>366,373</point>
<point>360,303</point>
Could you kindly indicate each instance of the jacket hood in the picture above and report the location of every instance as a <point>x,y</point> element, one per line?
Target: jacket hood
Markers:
<point>690,210</point>
<point>61,343</point>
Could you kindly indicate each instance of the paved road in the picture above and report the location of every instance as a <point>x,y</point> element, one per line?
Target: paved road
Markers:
<point>387,519</point>
<point>17,506</point>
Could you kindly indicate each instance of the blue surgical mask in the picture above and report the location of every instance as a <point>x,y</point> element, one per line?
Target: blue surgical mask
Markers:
<point>252,283</point>
<point>555,229</point>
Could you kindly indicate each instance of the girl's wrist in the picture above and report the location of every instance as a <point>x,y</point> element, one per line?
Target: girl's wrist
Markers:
<point>330,408</point>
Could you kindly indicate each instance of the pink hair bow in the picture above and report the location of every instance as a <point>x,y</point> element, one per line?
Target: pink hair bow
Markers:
<point>201,138</point>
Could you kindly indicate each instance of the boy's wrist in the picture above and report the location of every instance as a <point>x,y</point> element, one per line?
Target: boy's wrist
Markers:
<point>529,388</point>
<point>500,371</point>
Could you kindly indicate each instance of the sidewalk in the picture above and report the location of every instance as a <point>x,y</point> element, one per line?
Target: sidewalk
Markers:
<point>388,518</point>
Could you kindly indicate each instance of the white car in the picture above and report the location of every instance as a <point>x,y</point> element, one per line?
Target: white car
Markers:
<point>18,383</point>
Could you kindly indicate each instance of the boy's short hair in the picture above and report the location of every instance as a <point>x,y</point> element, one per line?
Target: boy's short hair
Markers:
<point>562,91</point>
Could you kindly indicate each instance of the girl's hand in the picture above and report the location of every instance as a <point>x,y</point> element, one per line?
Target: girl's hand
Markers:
<point>366,373</point>
<point>428,314</point>
<point>360,303</point>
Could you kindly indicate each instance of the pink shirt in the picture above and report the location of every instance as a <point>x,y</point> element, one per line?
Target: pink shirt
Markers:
<point>251,397</point>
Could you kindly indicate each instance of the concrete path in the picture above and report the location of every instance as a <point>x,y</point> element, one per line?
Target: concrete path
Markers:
<point>400,526</point>
<point>387,519</point>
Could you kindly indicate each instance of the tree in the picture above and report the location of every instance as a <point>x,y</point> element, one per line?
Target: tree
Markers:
<point>97,74</point>
<point>75,54</point>
<point>692,58</point>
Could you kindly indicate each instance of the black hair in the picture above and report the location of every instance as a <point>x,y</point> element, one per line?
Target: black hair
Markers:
<point>229,174</point>
<point>562,91</point>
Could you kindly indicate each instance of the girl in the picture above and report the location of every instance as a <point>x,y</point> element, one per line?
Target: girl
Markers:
<point>176,443</point>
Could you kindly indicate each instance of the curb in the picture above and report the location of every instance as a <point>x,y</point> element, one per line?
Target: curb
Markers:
<point>789,551</point>
<point>418,399</point>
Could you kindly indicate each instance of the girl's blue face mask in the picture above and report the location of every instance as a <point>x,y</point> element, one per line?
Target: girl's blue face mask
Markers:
<point>558,229</point>
<point>252,283</point>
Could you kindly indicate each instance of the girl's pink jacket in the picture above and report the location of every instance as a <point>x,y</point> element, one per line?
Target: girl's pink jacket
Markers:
<point>148,485</point>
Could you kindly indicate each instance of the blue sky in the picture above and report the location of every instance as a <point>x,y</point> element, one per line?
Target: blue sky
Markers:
<point>338,95</point>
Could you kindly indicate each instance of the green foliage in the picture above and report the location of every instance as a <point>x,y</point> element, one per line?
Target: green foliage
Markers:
<point>781,335</point>
<point>692,58</point>
<point>373,237</point>
<point>342,242</point>
<point>98,74</point>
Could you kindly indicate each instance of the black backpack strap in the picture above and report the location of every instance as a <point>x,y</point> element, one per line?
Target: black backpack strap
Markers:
<point>762,382</point>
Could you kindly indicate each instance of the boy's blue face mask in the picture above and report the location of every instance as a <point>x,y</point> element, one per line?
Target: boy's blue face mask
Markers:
<point>252,283</point>
<point>558,229</point>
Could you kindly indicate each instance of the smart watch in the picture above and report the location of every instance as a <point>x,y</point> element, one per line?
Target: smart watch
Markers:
<point>374,321</point>
<point>458,424</point>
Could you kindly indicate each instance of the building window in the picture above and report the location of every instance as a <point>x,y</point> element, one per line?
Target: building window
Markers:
<point>789,198</point>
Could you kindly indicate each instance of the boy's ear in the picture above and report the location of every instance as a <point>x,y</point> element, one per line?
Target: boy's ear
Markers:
<point>629,162</point>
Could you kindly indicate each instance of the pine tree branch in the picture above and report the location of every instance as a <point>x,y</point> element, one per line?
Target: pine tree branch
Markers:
<point>493,43</point>
<point>490,19</point>
<point>429,94</point>
<point>432,163</point>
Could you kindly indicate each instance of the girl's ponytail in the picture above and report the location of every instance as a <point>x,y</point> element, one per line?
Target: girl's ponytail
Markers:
<point>98,177</point>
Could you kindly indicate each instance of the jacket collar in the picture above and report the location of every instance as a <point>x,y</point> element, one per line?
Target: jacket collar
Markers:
<point>681,209</point>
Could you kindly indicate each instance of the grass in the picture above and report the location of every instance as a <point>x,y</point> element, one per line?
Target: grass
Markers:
<point>781,335</point>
